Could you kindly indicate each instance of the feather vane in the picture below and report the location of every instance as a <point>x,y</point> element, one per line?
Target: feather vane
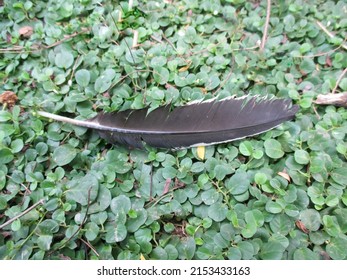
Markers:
<point>197,124</point>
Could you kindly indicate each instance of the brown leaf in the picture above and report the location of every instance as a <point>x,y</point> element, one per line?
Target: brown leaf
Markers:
<point>300,225</point>
<point>328,61</point>
<point>285,175</point>
<point>185,68</point>
<point>9,98</point>
<point>325,255</point>
<point>179,184</point>
<point>26,31</point>
<point>167,186</point>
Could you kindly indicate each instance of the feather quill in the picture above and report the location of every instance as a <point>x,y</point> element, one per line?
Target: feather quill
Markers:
<point>196,124</point>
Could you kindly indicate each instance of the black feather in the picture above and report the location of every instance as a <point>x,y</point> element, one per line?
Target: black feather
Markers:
<point>196,124</point>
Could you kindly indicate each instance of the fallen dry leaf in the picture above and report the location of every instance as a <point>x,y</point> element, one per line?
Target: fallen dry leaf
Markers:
<point>167,186</point>
<point>300,225</point>
<point>26,31</point>
<point>200,151</point>
<point>284,175</point>
<point>185,68</point>
<point>9,98</point>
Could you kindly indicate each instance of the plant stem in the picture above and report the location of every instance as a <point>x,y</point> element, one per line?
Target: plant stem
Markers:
<point>266,26</point>
<point>41,201</point>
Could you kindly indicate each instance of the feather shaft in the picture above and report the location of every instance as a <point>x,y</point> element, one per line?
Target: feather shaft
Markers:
<point>197,124</point>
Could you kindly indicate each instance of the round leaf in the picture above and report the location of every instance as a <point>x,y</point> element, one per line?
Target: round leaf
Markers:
<point>64,154</point>
<point>301,157</point>
<point>82,77</point>
<point>217,212</point>
<point>273,149</point>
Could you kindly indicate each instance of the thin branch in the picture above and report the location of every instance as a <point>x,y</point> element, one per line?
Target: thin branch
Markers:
<point>339,80</point>
<point>90,247</point>
<point>222,84</point>
<point>266,26</point>
<point>36,48</point>
<point>79,228</point>
<point>135,38</point>
<point>41,201</point>
<point>331,35</point>
<point>337,99</point>
<point>319,54</point>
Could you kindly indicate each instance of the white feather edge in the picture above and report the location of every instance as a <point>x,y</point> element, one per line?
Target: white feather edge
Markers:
<point>98,126</point>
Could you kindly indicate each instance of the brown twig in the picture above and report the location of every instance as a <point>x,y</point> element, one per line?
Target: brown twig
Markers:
<point>331,35</point>
<point>339,80</point>
<point>266,26</point>
<point>90,246</point>
<point>41,201</point>
<point>319,54</point>
<point>169,42</point>
<point>337,99</point>
<point>151,184</point>
<point>79,228</point>
<point>36,48</point>
<point>222,84</point>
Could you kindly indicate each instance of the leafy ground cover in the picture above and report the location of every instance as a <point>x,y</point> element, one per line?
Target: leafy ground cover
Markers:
<point>66,194</point>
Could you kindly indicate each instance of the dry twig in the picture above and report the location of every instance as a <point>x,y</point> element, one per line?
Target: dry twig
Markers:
<point>339,80</point>
<point>41,201</point>
<point>36,48</point>
<point>337,99</point>
<point>90,246</point>
<point>266,26</point>
<point>79,228</point>
<point>331,35</point>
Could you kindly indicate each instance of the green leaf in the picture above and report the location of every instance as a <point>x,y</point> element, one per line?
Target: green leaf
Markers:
<point>190,35</point>
<point>260,178</point>
<point>64,154</point>
<point>159,253</point>
<point>301,157</point>
<point>305,254</point>
<point>337,248</point>
<point>135,223</point>
<point>3,203</point>
<point>331,225</point>
<point>273,149</point>
<point>84,188</point>
<point>340,176</point>
<point>104,81</point>
<point>221,170</point>
<point>44,242</point>
<point>281,224</point>
<point>254,219</point>
<point>5,116</point>
<point>116,234</point>
<point>6,156</point>
<point>186,248</point>
<point>161,75</point>
<point>17,145</point>
<point>120,204</point>
<point>238,183</point>
<point>246,249</point>
<point>82,77</point>
<point>91,231</point>
<point>217,212</point>
<point>246,148</point>
<point>64,59</point>
<point>272,250</point>
<point>273,207</point>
